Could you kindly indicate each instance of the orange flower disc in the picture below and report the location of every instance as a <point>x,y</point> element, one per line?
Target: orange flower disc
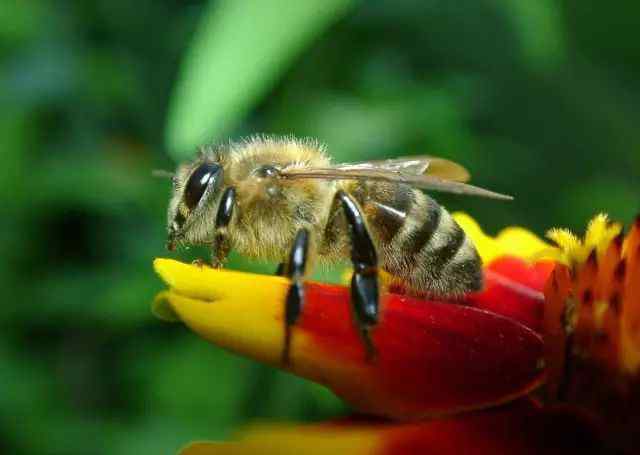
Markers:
<point>592,327</point>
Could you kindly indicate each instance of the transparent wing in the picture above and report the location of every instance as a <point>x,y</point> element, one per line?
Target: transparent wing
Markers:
<point>419,164</point>
<point>447,169</point>
<point>410,171</point>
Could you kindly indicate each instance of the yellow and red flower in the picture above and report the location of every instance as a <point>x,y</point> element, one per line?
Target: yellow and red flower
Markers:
<point>592,327</point>
<point>435,358</point>
<point>517,428</point>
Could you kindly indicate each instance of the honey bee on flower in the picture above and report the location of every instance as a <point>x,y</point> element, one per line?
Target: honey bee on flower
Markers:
<point>583,296</point>
<point>281,199</point>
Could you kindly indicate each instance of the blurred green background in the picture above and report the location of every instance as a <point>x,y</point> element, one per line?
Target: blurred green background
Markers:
<point>540,99</point>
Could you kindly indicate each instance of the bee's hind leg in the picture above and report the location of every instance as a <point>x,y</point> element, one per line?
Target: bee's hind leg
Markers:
<point>221,246</point>
<point>294,269</point>
<point>365,293</point>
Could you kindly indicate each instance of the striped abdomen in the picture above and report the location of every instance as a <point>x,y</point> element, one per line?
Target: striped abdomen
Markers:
<point>418,241</point>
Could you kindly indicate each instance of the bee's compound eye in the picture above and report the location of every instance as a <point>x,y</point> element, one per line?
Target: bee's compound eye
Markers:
<point>266,171</point>
<point>201,178</point>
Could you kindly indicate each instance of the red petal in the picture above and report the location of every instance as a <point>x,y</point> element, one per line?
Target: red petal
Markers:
<point>433,357</point>
<point>519,429</point>
<point>514,288</point>
<point>514,429</point>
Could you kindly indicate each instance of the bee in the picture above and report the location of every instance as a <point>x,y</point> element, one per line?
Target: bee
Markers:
<point>282,199</point>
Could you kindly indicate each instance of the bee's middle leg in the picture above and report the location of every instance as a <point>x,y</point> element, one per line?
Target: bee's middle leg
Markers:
<point>221,245</point>
<point>295,269</point>
<point>364,282</point>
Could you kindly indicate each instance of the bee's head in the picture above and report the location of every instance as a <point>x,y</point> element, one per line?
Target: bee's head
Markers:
<point>196,187</point>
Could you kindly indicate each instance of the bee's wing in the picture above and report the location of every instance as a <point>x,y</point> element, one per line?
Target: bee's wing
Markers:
<point>367,171</point>
<point>416,165</point>
<point>447,169</point>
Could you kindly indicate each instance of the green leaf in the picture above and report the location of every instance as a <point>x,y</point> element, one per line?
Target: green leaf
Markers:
<point>238,53</point>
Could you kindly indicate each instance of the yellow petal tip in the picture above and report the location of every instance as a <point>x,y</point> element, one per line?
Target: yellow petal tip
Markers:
<point>162,309</point>
<point>165,268</point>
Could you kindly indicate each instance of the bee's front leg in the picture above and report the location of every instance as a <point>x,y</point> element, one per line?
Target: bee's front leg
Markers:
<point>221,245</point>
<point>364,282</point>
<point>295,269</point>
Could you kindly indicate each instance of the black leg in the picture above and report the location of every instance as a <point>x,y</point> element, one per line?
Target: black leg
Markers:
<point>221,245</point>
<point>364,283</point>
<point>295,270</point>
<point>282,269</point>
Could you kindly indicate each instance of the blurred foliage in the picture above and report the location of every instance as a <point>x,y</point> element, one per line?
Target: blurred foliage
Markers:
<point>539,99</point>
<point>218,90</point>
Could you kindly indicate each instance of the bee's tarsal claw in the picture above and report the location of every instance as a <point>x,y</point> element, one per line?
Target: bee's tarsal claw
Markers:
<point>294,269</point>
<point>295,300</point>
<point>221,244</point>
<point>365,293</point>
<point>365,297</point>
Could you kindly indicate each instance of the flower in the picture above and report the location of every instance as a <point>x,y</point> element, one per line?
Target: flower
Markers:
<point>437,358</point>
<point>517,428</point>
<point>434,357</point>
<point>592,327</point>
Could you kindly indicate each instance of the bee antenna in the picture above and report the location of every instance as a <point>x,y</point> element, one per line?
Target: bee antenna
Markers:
<point>161,173</point>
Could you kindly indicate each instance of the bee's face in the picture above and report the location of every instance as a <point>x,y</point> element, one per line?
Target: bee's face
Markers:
<point>196,188</point>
